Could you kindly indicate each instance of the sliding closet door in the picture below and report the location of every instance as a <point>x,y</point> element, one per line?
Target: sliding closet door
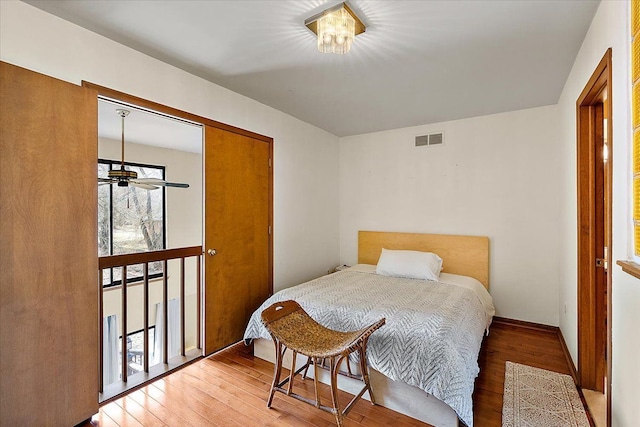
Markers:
<point>238,272</point>
<point>48,250</point>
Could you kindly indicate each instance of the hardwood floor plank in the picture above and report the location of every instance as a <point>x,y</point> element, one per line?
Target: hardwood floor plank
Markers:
<point>212,410</point>
<point>218,389</point>
<point>361,410</point>
<point>244,412</point>
<point>507,342</point>
<point>121,417</point>
<point>175,405</point>
<point>139,412</point>
<point>299,409</point>
<point>230,388</point>
<point>101,419</point>
<point>154,407</point>
<point>357,413</point>
<point>259,389</point>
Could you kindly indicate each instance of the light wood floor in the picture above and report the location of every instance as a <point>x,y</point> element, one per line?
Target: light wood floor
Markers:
<point>596,402</point>
<point>230,388</point>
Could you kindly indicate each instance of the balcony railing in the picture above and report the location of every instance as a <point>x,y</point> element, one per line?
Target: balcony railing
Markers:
<point>124,262</point>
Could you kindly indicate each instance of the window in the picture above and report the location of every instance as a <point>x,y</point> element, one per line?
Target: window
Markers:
<point>130,220</point>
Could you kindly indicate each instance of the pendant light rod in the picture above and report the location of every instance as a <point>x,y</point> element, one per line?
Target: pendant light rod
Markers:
<point>122,113</point>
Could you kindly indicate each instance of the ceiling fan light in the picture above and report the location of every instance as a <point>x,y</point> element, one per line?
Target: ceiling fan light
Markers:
<point>122,174</point>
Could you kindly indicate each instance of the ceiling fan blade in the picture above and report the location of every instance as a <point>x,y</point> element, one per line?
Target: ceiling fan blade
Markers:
<point>143,186</point>
<point>157,181</point>
<point>175,184</point>
<point>106,181</point>
<point>149,180</point>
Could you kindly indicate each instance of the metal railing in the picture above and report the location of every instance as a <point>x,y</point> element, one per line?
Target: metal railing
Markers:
<point>144,258</point>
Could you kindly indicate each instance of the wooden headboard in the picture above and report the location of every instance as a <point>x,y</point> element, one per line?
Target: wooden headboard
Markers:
<point>464,255</point>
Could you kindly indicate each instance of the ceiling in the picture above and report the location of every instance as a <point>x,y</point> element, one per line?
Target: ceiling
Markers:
<point>147,128</point>
<point>418,62</point>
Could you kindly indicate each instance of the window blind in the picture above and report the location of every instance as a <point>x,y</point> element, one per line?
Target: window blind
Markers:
<point>635,105</point>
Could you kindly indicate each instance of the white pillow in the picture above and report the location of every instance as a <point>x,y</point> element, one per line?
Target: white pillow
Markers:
<point>409,264</point>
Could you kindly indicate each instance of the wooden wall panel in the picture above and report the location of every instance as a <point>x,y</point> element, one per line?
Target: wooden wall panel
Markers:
<point>464,255</point>
<point>48,250</point>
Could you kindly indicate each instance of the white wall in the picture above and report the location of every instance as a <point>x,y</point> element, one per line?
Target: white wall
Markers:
<point>610,28</point>
<point>305,157</point>
<point>495,176</point>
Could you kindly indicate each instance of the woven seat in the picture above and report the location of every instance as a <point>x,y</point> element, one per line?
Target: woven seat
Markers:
<point>291,327</point>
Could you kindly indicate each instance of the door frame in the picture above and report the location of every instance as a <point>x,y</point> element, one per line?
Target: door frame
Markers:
<point>592,340</point>
<point>164,109</point>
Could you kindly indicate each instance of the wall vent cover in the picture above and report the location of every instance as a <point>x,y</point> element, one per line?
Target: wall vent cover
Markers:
<point>431,139</point>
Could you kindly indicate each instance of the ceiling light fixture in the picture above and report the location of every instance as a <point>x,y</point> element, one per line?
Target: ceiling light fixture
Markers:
<point>336,28</point>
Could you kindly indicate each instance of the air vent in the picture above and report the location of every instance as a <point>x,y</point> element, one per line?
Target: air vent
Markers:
<point>422,140</point>
<point>431,139</point>
<point>436,139</point>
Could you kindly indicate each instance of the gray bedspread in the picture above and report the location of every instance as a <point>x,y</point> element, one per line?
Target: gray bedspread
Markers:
<point>431,339</point>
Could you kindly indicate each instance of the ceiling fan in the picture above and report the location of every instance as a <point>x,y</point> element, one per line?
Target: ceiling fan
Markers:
<point>126,178</point>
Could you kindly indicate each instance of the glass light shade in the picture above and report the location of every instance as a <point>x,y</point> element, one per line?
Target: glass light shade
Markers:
<point>336,31</point>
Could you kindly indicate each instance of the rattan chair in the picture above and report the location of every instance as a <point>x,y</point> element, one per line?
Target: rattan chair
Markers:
<point>291,327</point>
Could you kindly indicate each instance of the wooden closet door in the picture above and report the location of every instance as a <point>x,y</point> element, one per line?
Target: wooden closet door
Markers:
<point>48,250</point>
<point>238,277</point>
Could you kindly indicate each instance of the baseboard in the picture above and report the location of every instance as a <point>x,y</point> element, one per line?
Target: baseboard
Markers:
<point>545,328</point>
<point>567,355</point>
<point>525,324</point>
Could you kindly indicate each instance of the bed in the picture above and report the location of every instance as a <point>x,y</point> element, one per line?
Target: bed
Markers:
<point>423,362</point>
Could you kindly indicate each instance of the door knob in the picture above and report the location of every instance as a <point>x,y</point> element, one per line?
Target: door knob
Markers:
<point>211,252</point>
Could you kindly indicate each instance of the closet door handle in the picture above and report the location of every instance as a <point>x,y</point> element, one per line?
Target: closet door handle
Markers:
<point>211,252</point>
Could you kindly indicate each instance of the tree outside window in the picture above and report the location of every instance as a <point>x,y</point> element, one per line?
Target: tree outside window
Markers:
<point>130,220</point>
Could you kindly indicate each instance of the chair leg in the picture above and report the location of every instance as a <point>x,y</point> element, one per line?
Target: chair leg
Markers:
<point>362,355</point>
<point>306,368</point>
<point>276,373</point>
<point>292,373</point>
<point>315,380</point>
<point>333,369</point>
<point>349,365</point>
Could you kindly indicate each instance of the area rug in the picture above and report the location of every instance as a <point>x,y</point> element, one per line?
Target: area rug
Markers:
<point>536,397</point>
